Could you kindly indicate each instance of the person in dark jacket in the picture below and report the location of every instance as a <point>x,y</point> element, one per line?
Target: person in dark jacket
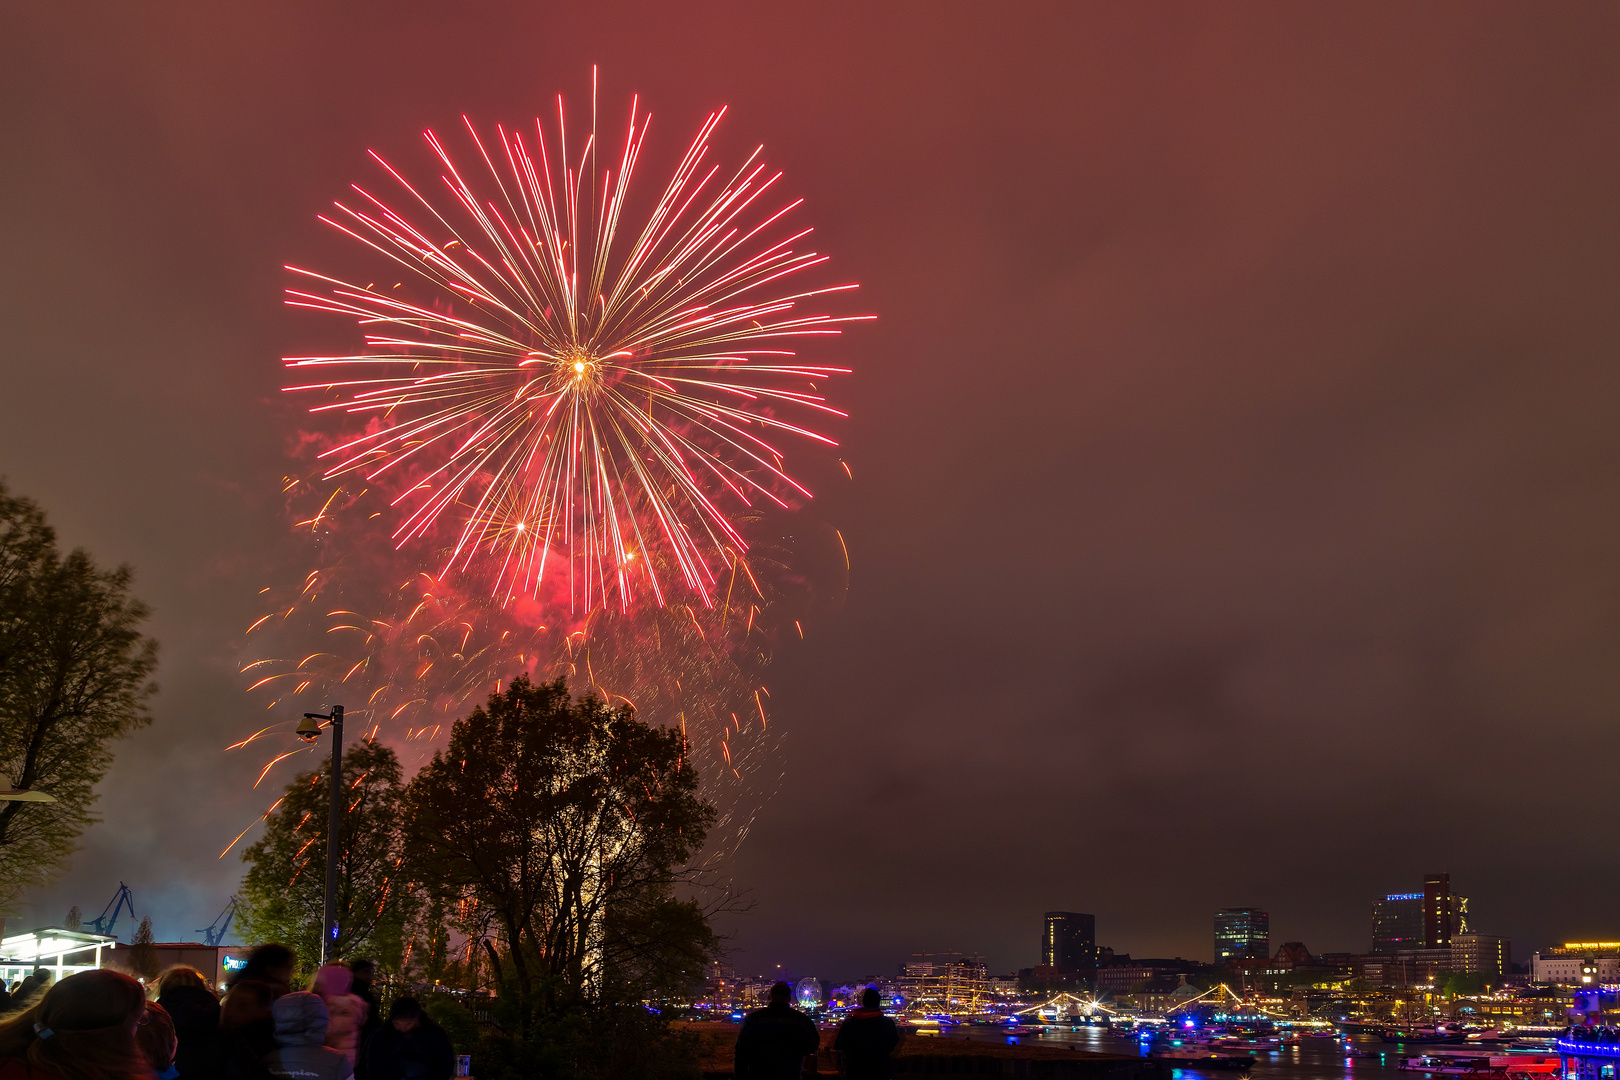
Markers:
<point>364,971</point>
<point>865,1040</point>
<point>775,1040</point>
<point>201,1050</point>
<point>409,1047</point>
<point>245,1011</point>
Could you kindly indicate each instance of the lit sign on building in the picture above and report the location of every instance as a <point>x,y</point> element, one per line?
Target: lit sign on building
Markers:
<point>233,964</point>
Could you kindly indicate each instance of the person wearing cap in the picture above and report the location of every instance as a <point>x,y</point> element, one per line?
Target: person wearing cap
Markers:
<point>775,1040</point>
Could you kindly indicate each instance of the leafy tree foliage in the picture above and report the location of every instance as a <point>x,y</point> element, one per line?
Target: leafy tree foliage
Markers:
<point>283,894</point>
<point>1463,984</point>
<point>74,676</point>
<point>562,827</point>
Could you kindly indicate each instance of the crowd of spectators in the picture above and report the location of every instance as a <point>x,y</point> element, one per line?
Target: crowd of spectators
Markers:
<point>105,1025</point>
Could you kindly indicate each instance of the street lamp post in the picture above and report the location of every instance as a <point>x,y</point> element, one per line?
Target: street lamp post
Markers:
<point>309,732</point>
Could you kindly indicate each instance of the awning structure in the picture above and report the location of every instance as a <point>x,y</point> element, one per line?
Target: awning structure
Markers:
<point>61,952</point>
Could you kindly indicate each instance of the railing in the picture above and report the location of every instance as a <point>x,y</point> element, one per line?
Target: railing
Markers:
<point>1581,1048</point>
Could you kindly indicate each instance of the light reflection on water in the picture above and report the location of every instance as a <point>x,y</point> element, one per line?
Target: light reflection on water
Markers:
<point>1315,1059</point>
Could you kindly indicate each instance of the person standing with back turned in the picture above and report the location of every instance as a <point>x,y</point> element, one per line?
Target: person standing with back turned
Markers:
<point>866,1039</point>
<point>775,1040</point>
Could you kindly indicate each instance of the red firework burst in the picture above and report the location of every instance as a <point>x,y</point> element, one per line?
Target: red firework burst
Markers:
<point>575,396</point>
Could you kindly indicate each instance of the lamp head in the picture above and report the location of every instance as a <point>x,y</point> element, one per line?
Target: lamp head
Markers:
<point>308,729</point>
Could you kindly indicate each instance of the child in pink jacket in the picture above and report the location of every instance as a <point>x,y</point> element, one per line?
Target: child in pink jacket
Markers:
<point>347,1010</point>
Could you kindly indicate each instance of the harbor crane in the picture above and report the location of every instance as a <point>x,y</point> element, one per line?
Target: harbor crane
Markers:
<point>215,931</point>
<point>108,918</point>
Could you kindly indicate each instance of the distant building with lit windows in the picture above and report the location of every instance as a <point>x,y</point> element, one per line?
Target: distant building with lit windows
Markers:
<point>1578,963</point>
<point>1419,920</point>
<point>1069,942</point>
<point>1241,933</point>
<point>1481,954</point>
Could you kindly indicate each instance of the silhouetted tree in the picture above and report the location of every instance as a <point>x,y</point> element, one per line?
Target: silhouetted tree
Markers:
<point>74,671</point>
<point>143,958</point>
<point>563,826</point>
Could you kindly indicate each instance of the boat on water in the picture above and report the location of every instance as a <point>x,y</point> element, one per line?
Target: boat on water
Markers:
<point>1420,1035</point>
<point>1472,1064</point>
<point>1300,1038</point>
<point>1257,1044</point>
<point>1203,1057</point>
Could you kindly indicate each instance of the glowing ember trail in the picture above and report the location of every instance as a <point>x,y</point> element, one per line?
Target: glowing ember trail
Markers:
<point>576,389</point>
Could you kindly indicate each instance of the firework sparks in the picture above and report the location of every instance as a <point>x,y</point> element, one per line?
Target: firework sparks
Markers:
<point>576,403</point>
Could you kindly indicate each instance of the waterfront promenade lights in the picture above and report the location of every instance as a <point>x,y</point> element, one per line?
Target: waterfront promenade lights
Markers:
<point>309,731</point>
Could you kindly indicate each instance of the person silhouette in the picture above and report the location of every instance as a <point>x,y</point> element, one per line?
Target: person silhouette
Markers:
<point>865,1040</point>
<point>775,1040</point>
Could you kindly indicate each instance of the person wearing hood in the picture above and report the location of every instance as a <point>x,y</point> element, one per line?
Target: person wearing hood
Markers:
<point>410,1046</point>
<point>347,1010</point>
<point>300,1054</point>
<point>866,1038</point>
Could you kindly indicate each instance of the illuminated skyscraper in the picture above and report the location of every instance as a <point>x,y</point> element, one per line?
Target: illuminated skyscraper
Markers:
<point>1241,932</point>
<point>1070,941</point>
<point>1419,920</point>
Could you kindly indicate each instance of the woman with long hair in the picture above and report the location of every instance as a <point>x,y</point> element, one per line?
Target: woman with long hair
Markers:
<point>83,1028</point>
<point>201,1050</point>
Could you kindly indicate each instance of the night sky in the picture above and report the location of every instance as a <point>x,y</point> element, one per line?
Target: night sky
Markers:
<point>1237,482</point>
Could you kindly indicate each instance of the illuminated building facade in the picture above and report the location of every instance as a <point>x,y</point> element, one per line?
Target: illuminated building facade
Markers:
<point>1481,954</point>
<point>1443,913</point>
<point>1578,963</point>
<point>1241,933</point>
<point>61,952</point>
<point>1397,923</point>
<point>1069,942</point>
<point>1419,920</point>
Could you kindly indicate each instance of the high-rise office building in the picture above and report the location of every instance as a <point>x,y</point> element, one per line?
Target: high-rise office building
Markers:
<point>1397,923</point>
<point>1419,920</point>
<point>1443,913</point>
<point>1070,941</point>
<point>1240,933</point>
